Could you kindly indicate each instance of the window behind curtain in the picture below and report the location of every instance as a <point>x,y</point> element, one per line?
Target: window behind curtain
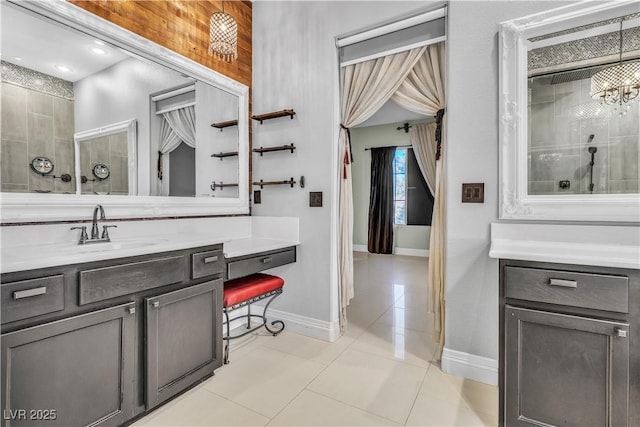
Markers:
<point>412,200</point>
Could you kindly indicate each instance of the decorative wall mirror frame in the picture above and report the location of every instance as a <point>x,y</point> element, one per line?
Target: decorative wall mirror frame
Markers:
<point>515,201</point>
<point>29,207</point>
<point>128,126</point>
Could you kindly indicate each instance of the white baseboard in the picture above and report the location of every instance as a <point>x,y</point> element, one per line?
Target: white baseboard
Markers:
<point>397,251</point>
<point>470,366</point>
<point>412,252</point>
<point>303,325</point>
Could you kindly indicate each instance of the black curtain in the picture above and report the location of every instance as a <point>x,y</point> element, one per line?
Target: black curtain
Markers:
<point>381,201</point>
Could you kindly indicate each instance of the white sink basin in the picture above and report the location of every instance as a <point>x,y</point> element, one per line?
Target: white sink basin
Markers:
<point>114,246</point>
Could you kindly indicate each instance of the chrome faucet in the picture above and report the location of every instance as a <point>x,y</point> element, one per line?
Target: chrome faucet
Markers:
<point>94,227</point>
<point>95,235</point>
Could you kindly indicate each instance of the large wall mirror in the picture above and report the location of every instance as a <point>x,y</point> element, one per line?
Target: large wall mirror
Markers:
<point>570,114</point>
<point>130,122</point>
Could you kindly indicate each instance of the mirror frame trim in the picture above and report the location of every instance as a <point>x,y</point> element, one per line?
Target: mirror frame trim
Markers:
<point>128,126</point>
<point>28,207</point>
<point>514,202</point>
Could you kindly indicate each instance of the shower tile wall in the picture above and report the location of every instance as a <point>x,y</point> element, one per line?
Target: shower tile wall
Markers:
<point>561,118</point>
<point>35,124</point>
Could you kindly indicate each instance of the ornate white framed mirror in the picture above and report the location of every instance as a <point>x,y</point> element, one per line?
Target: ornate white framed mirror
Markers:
<point>570,114</point>
<point>140,89</point>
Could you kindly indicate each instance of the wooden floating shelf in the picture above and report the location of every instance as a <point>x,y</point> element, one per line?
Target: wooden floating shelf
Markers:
<point>262,183</point>
<point>221,185</point>
<point>263,150</point>
<point>227,154</point>
<point>222,125</point>
<point>273,115</point>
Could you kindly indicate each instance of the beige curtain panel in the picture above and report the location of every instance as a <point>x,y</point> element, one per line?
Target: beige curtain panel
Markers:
<point>366,87</point>
<point>436,253</point>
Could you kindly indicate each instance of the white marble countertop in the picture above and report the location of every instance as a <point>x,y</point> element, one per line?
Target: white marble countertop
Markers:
<point>599,245</point>
<point>54,245</point>
<point>21,258</point>
<point>251,245</point>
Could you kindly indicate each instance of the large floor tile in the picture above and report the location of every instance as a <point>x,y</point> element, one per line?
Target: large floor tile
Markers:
<point>200,407</point>
<point>265,380</point>
<point>482,398</point>
<point>372,383</point>
<point>409,317</point>
<point>313,409</point>
<point>429,411</point>
<point>403,345</point>
<point>308,348</point>
<point>438,385</point>
<point>243,346</point>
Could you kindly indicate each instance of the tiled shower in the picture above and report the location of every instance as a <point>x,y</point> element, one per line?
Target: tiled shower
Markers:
<point>562,118</point>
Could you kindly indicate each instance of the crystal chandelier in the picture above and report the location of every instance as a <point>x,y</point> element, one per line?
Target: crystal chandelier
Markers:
<point>618,84</point>
<point>223,36</point>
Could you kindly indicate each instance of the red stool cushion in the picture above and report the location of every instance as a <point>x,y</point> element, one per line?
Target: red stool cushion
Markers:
<point>244,288</point>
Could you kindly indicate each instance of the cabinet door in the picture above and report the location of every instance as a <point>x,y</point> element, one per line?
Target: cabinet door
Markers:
<point>184,339</point>
<point>564,370</point>
<point>73,372</point>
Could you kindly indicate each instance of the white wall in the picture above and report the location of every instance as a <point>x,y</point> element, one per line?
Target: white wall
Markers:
<point>471,279</point>
<point>295,66</point>
<point>404,236</point>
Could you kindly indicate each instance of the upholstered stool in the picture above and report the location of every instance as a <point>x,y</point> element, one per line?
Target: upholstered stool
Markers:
<point>245,291</point>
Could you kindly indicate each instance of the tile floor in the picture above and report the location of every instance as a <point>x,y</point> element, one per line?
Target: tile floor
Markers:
<point>379,373</point>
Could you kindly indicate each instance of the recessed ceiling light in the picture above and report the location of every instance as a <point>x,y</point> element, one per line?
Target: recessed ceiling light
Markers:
<point>17,58</point>
<point>100,42</point>
<point>98,51</point>
<point>62,68</point>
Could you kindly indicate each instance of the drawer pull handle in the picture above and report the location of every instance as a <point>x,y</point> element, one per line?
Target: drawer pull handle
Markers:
<point>30,293</point>
<point>210,259</point>
<point>563,283</point>
<point>155,304</point>
<point>267,260</point>
<point>132,310</point>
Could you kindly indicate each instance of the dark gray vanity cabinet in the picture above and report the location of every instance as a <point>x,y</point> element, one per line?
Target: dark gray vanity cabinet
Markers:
<point>183,339</point>
<point>565,370</point>
<point>73,372</point>
<point>100,343</point>
<point>570,339</point>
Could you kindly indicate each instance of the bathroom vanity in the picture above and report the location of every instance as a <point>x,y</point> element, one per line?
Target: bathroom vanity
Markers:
<point>570,336</point>
<point>568,240</point>
<point>569,324</point>
<point>101,342</point>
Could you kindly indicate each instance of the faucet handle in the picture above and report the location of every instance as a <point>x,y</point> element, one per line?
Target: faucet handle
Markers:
<point>105,230</point>
<point>83,234</point>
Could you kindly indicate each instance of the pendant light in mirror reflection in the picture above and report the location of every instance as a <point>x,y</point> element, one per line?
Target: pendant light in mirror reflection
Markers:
<point>619,84</point>
<point>223,36</point>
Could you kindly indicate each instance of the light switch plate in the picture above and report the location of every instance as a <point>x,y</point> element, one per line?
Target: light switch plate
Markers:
<point>473,192</point>
<point>315,199</point>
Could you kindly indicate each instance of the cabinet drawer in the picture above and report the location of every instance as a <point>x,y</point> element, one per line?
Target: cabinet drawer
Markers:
<point>587,290</point>
<point>206,264</point>
<point>109,282</point>
<point>252,265</point>
<point>33,297</point>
